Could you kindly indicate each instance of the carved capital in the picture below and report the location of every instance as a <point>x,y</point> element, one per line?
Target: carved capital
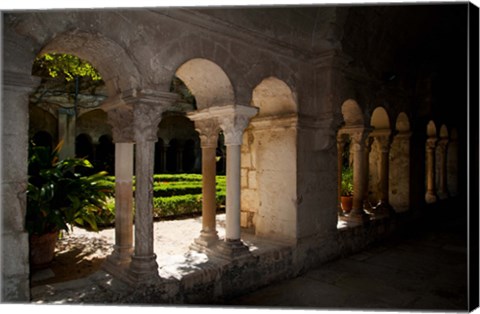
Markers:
<point>121,120</point>
<point>358,140</point>
<point>383,143</point>
<point>208,132</point>
<point>233,128</point>
<point>431,143</point>
<point>442,143</point>
<point>148,107</point>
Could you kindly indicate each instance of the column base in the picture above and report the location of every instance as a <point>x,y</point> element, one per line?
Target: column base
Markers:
<point>206,240</point>
<point>143,269</point>
<point>232,249</point>
<point>357,216</point>
<point>430,198</point>
<point>118,263</point>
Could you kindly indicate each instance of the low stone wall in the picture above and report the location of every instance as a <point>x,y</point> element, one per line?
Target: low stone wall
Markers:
<point>218,280</point>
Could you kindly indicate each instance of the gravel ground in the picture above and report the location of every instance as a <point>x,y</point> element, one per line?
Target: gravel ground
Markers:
<point>81,252</point>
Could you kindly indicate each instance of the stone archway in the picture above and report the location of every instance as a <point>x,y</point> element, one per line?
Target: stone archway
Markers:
<point>355,133</point>
<point>208,83</point>
<point>217,111</point>
<point>399,171</point>
<point>378,161</point>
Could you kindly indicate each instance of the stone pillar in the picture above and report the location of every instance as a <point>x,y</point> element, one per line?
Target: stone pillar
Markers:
<point>14,142</point>
<point>399,181</point>
<point>358,145</point>
<point>430,196</point>
<point>208,131</point>
<point>66,132</point>
<point>367,206</point>
<point>442,180</point>
<point>148,107</point>
<point>383,141</point>
<point>340,149</point>
<point>164,157</point>
<point>233,120</point>
<point>121,119</point>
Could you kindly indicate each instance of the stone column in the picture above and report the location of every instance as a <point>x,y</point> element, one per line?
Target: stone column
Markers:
<point>164,156</point>
<point>148,107</point>
<point>399,180</point>
<point>367,206</point>
<point>66,132</point>
<point>14,142</point>
<point>358,142</point>
<point>208,131</point>
<point>340,149</point>
<point>442,188</point>
<point>121,119</point>
<point>383,142</point>
<point>233,120</point>
<point>430,196</point>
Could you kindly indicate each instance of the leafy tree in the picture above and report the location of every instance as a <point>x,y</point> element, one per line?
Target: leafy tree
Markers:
<point>64,65</point>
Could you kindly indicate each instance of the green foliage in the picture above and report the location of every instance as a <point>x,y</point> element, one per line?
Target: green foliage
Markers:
<point>59,197</point>
<point>66,66</point>
<point>176,195</point>
<point>347,181</point>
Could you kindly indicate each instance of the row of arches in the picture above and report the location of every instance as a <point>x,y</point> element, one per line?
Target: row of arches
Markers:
<point>379,154</point>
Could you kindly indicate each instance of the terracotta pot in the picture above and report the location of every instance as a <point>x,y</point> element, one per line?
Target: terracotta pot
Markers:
<point>42,249</point>
<point>347,203</point>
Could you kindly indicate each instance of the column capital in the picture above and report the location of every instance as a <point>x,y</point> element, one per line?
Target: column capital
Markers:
<point>431,143</point>
<point>358,138</point>
<point>383,142</point>
<point>442,143</point>
<point>121,120</point>
<point>208,131</point>
<point>233,120</point>
<point>148,107</point>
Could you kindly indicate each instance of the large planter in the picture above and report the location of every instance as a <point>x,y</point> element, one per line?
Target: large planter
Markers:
<point>42,249</point>
<point>347,203</point>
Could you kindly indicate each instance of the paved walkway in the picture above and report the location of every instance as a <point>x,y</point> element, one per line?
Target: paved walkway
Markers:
<point>424,271</point>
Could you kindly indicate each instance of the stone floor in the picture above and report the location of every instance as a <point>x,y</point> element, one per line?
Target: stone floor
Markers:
<point>422,270</point>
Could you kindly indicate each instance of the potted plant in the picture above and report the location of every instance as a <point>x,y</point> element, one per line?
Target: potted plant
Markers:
<point>347,189</point>
<point>58,197</point>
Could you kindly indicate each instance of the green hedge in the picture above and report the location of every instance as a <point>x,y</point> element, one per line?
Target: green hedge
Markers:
<point>174,195</point>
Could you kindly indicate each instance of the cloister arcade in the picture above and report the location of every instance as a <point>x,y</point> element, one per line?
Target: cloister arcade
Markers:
<point>282,110</point>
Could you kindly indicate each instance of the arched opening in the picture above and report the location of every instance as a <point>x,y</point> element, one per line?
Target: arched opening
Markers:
<point>351,165</point>
<point>207,82</point>
<point>273,97</point>
<point>378,150</point>
<point>43,138</point>
<point>69,86</point>
<point>105,154</point>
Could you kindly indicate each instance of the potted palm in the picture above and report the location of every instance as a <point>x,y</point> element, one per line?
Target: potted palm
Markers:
<point>347,189</point>
<point>58,197</point>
